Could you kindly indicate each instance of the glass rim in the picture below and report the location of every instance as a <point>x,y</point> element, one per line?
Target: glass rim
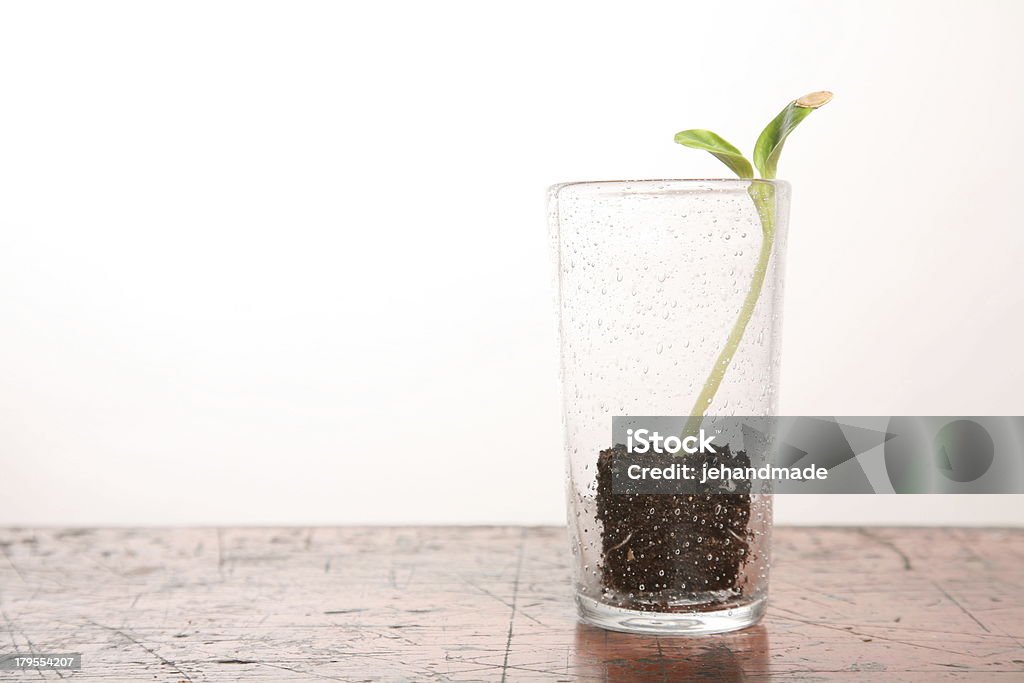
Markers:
<point>644,184</point>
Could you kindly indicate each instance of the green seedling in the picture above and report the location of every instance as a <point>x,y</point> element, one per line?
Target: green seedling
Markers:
<point>766,159</point>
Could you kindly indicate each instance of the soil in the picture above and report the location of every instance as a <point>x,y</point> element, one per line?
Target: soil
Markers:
<point>670,542</point>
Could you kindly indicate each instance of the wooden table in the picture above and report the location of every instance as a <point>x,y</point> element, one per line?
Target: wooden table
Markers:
<point>492,604</point>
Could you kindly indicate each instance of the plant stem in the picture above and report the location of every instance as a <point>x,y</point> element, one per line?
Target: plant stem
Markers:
<point>763,195</point>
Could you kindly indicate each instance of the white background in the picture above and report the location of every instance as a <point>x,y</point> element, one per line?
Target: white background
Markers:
<point>286,262</point>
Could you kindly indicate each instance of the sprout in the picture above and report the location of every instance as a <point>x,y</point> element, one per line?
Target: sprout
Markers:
<point>766,159</point>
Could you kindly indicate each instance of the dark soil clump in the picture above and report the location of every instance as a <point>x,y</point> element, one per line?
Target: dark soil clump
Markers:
<point>670,542</point>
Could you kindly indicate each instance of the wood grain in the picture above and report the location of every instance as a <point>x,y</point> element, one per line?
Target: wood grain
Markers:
<point>492,604</point>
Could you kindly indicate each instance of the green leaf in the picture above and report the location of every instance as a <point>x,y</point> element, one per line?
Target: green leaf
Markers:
<point>714,143</point>
<point>773,137</point>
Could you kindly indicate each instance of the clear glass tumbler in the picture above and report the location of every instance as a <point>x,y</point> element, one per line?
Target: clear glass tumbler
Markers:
<point>653,277</point>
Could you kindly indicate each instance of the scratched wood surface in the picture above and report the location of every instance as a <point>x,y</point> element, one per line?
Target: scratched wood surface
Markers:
<point>492,604</point>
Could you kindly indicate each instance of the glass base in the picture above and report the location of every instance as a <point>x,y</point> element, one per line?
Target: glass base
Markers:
<point>670,623</point>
